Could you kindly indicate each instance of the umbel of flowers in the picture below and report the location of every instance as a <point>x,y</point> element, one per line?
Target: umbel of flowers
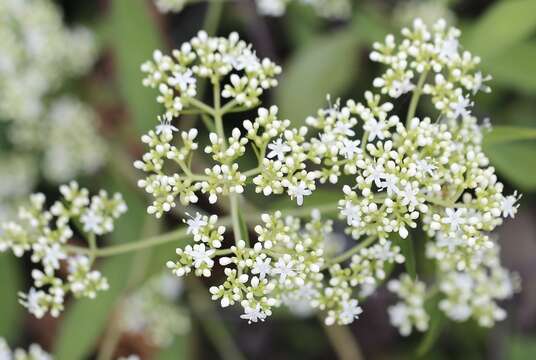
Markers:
<point>424,172</point>
<point>332,9</point>
<point>46,132</point>
<point>44,233</point>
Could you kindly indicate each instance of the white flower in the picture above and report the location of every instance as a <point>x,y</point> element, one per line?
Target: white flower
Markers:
<point>449,48</point>
<point>390,183</point>
<point>343,128</point>
<point>165,126</point>
<point>253,314</point>
<point>200,255</point>
<point>409,196</point>
<point>278,149</point>
<point>425,167</point>
<point>460,108</point>
<point>284,268</point>
<point>53,255</point>
<point>509,206</point>
<point>454,218</point>
<point>375,129</point>
<point>376,174</point>
<point>92,221</point>
<point>298,192</point>
<point>262,267</point>
<point>195,224</point>
<point>349,148</point>
<point>183,80</point>
<point>350,311</point>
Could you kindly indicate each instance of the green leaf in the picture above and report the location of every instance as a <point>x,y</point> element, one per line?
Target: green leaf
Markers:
<point>520,348</point>
<point>506,23</point>
<point>327,65</point>
<point>133,35</point>
<point>505,134</point>
<point>10,310</point>
<point>86,319</point>
<point>512,152</point>
<point>177,351</point>
<point>516,161</point>
<point>437,323</point>
<point>407,249</point>
<point>514,68</point>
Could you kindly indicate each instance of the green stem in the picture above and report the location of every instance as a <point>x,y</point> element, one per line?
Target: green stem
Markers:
<point>92,242</point>
<point>213,17</point>
<point>343,341</point>
<point>415,97</point>
<point>349,253</point>
<point>181,234</point>
<point>235,215</point>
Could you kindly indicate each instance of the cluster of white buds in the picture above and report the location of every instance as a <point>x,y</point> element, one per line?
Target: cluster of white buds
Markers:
<point>34,352</point>
<point>410,312</point>
<point>151,311</point>
<point>417,173</point>
<point>37,55</point>
<point>331,9</point>
<point>213,58</point>
<point>45,233</point>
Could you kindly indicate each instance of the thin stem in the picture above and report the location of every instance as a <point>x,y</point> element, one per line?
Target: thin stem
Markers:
<point>92,242</point>
<point>181,234</point>
<point>212,17</point>
<point>201,106</point>
<point>349,253</point>
<point>233,199</point>
<point>415,97</point>
<point>177,235</point>
<point>343,341</point>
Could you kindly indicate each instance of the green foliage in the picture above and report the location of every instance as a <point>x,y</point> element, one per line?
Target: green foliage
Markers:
<point>327,65</point>
<point>86,320</point>
<point>505,24</point>
<point>10,310</point>
<point>511,150</point>
<point>520,348</point>
<point>133,36</point>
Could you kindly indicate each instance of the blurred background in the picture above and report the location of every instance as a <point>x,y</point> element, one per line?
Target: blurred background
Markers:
<point>72,107</point>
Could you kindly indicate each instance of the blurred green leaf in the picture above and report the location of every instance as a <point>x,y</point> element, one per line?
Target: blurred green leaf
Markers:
<point>515,67</point>
<point>407,249</point>
<point>319,197</point>
<point>516,161</point>
<point>327,65</point>
<point>506,23</point>
<point>504,134</point>
<point>521,348</point>
<point>513,154</point>
<point>10,310</point>
<point>133,35</point>
<point>85,320</point>
<point>177,351</point>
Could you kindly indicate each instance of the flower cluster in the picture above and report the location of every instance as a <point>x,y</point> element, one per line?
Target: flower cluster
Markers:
<point>331,9</point>
<point>398,175</point>
<point>213,58</point>
<point>410,312</point>
<point>35,352</point>
<point>37,55</point>
<point>45,232</point>
<point>150,310</point>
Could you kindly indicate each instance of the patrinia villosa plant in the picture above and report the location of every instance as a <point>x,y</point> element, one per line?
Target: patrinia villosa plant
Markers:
<point>422,172</point>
